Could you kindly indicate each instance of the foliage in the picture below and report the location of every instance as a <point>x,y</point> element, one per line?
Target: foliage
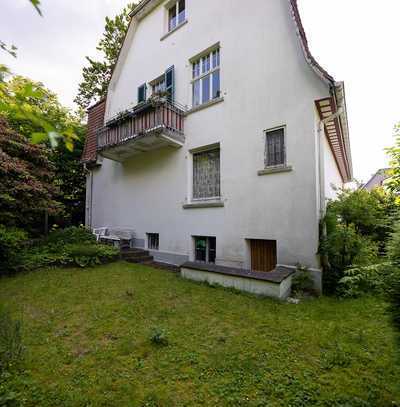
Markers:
<point>357,226</point>
<point>302,281</point>
<point>11,241</point>
<point>394,153</point>
<point>68,176</point>
<point>372,279</point>
<point>26,182</point>
<point>344,247</point>
<point>97,75</point>
<point>89,343</point>
<point>69,247</point>
<point>17,102</point>
<point>371,213</point>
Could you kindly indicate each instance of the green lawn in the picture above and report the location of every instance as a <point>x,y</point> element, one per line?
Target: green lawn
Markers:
<point>87,337</point>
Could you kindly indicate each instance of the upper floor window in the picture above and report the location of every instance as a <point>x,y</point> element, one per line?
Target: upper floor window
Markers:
<point>275,147</point>
<point>176,14</point>
<point>165,84</point>
<point>206,174</point>
<point>206,78</point>
<point>142,90</point>
<point>158,85</point>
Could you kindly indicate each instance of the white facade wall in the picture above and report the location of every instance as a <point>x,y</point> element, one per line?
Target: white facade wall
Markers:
<point>265,83</point>
<point>333,179</point>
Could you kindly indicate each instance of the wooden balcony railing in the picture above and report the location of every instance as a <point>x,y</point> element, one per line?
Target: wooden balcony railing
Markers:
<point>152,117</point>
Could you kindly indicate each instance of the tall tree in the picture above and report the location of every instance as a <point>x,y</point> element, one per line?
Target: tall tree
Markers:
<point>26,181</point>
<point>97,75</point>
<point>68,176</point>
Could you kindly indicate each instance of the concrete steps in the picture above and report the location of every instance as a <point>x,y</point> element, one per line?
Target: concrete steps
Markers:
<point>137,256</point>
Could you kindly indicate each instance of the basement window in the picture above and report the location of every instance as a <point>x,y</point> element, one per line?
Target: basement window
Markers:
<point>205,249</point>
<point>153,241</point>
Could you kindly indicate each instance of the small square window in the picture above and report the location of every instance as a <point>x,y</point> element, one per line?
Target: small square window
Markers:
<point>153,241</point>
<point>275,154</point>
<point>205,249</point>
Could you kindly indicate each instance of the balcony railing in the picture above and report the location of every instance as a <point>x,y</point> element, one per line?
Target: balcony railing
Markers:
<point>153,124</point>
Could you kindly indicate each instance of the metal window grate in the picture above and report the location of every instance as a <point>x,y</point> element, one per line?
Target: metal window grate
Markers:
<point>153,241</point>
<point>206,174</point>
<point>275,147</point>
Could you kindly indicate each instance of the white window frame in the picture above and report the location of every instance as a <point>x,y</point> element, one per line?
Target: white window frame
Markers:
<point>175,4</point>
<point>284,164</point>
<point>203,74</point>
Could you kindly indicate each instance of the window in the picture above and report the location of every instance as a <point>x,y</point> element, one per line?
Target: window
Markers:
<point>153,240</point>
<point>158,85</point>
<point>206,78</point>
<point>275,147</point>
<point>206,174</point>
<point>142,93</point>
<point>176,14</point>
<point>205,249</point>
<point>165,84</point>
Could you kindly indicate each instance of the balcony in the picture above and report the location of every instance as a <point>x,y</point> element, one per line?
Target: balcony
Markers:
<point>149,126</point>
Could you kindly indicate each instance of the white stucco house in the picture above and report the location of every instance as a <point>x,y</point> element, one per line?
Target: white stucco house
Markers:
<point>221,137</point>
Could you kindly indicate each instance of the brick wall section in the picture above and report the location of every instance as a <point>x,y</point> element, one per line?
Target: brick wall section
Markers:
<point>95,122</point>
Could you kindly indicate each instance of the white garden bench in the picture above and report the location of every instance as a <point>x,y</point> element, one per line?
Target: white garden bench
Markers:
<point>114,236</point>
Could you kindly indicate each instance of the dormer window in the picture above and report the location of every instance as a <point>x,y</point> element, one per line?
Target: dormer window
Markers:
<point>176,14</point>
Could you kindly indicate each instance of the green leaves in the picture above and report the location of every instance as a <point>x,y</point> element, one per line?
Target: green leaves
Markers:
<point>35,112</point>
<point>394,153</point>
<point>36,4</point>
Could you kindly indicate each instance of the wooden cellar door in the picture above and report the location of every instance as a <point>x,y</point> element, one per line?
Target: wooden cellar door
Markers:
<point>263,255</point>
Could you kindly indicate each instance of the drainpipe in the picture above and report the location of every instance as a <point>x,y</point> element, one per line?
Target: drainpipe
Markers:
<point>89,205</point>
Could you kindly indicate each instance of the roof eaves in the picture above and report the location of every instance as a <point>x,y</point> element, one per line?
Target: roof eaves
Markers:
<point>321,72</point>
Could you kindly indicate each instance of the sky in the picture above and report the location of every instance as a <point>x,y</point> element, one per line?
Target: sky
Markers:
<point>357,41</point>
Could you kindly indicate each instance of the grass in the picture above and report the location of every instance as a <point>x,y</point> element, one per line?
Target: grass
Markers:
<point>127,335</point>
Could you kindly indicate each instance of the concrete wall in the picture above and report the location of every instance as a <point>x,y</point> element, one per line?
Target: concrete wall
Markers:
<point>265,82</point>
<point>275,290</point>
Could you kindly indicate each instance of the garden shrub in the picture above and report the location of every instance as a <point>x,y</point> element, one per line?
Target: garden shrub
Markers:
<point>11,241</point>
<point>74,246</point>
<point>354,234</point>
<point>302,281</point>
<point>70,235</point>
<point>373,279</point>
